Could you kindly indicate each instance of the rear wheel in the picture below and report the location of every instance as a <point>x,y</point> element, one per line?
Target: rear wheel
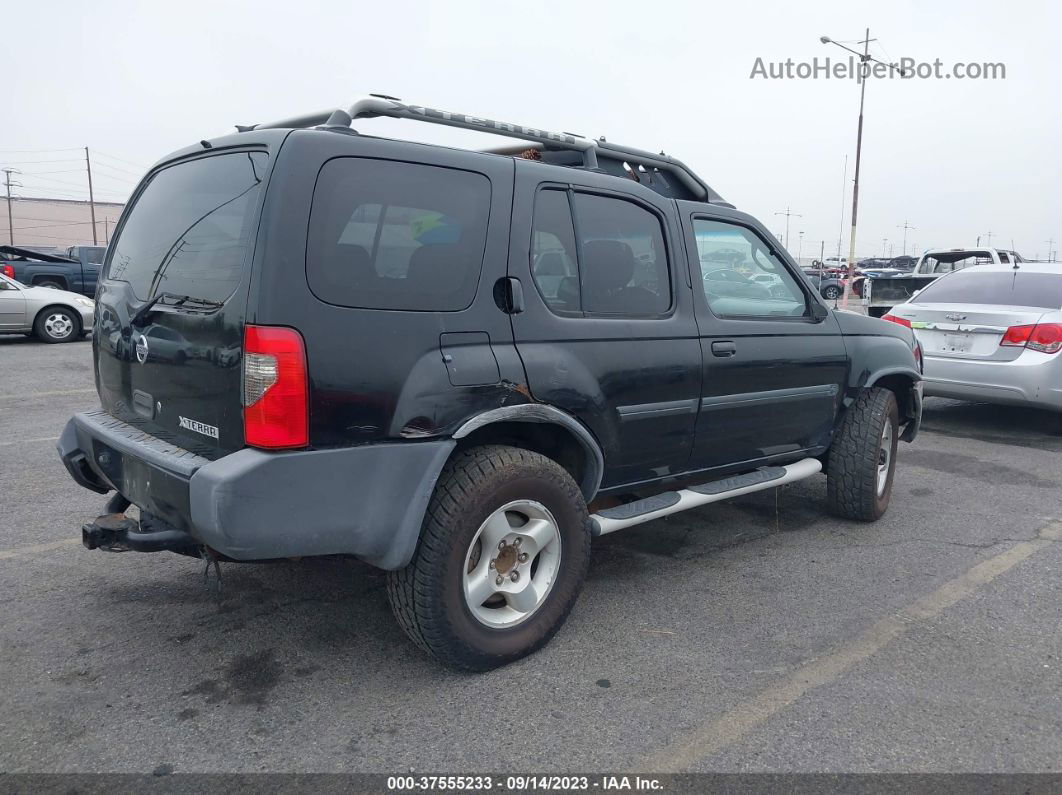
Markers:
<point>831,293</point>
<point>501,559</point>
<point>52,285</point>
<point>57,324</point>
<point>862,458</point>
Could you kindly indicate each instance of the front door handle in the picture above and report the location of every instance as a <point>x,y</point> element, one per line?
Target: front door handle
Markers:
<point>724,348</point>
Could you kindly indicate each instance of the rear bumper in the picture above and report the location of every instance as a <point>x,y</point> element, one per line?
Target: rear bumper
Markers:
<point>367,501</point>
<point>1033,379</point>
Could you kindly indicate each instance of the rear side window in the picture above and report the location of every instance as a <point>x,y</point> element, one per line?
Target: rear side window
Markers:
<point>390,235</point>
<point>1010,288</point>
<point>611,260</point>
<point>190,230</point>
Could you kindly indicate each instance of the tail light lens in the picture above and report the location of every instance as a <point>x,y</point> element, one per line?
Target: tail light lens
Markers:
<point>895,319</point>
<point>275,392</point>
<point>8,271</point>
<point>1043,337</point>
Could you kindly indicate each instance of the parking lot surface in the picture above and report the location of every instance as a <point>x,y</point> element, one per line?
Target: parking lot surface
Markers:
<point>759,634</point>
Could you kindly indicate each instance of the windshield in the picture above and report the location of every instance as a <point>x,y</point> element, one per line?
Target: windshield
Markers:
<point>190,230</point>
<point>1000,288</point>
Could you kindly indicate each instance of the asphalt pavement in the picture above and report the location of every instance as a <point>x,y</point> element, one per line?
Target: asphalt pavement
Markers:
<point>755,635</point>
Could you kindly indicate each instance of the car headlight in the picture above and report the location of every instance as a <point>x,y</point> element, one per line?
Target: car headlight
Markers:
<point>83,302</point>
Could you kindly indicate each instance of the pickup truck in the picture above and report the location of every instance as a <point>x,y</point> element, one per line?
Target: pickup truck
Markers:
<point>77,270</point>
<point>882,292</point>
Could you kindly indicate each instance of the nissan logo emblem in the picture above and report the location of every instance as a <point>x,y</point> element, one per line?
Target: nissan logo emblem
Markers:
<point>141,349</point>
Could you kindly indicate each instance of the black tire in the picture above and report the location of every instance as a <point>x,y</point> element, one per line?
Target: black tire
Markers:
<point>41,324</point>
<point>427,597</point>
<point>50,284</point>
<point>852,482</point>
<point>831,293</point>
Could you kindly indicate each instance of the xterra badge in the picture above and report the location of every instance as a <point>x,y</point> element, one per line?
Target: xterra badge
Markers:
<point>198,427</point>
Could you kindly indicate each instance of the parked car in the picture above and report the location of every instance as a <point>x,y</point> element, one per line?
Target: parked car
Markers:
<point>829,286</point>
<point>887,291</point>
<point>905,262</point>
<point>413,392</point>
<point>51,315</point>
<point>77,269</point>
<point>991,333</point>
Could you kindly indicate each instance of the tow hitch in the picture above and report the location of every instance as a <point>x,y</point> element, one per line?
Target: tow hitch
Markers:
<point>116,532</point>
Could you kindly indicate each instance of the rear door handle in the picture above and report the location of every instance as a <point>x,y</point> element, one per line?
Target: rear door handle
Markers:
<point>724,348</point>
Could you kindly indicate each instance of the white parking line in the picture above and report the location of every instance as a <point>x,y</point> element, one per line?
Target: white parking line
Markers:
<point>30,441</point>
<point>686,751</point>
<point>19,551</point>
<point>50,394</point>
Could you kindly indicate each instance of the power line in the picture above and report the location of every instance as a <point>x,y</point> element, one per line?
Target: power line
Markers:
<point>39,151</point>
<point>122,170</point>
<point>122,160</point>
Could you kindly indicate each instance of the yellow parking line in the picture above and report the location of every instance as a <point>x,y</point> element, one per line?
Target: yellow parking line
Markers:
<point>733,725</point>
<point>50,394</point>
<point>19,551</point>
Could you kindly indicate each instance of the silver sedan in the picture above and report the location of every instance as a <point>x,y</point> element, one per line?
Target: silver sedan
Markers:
<point>52,315</point>
<point>991,333</point>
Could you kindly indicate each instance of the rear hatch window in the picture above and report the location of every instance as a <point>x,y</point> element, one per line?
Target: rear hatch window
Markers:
<point>189,230</point>
<point>1008,288</point>
<point>174,368</point>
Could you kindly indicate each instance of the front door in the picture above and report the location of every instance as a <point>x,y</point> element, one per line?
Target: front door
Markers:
<point>774,366</point>
<point>12,306</point>
<point>608,332</point>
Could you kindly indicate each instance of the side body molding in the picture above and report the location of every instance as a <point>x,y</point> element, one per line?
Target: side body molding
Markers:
<point>536,412</point>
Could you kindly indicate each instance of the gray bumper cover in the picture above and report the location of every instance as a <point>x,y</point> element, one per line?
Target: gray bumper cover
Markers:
<point>367,501</point>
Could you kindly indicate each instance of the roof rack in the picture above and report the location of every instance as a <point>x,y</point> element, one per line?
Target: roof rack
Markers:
<point>598,155</point>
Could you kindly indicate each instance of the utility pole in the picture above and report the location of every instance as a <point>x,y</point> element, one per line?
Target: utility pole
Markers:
<point>92,202</point>
<point>905,227</point>
<point>800,249</point>
<point>788,215</point>
<point>864,72</point>
<point>989,236</point>
<point>1050,242</point>
<point>10,224</point>
<point>884,243</point>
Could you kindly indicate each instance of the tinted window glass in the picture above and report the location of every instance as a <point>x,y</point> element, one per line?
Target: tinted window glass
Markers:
<point>553,255</point>
<point>740,276</point>
<point>1010,288</point>
<point>388,235</point>
<point>190,231</point>
<point>622,257</point>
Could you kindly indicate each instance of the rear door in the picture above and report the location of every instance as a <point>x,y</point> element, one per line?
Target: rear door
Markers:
<point>174,369</point>
<point>774,374</point>
<point>608,333</point>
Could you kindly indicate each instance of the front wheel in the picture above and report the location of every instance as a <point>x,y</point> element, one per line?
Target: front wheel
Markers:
<point>862,458</point>
<point>57,325</point>
<point>831,293</point>
<point>501,559</point>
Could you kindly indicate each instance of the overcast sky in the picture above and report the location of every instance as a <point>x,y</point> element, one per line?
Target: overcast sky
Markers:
<point>954,158</point>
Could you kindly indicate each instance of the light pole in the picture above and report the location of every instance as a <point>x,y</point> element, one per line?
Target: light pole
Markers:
<point>884,243</point>
<point>788,215</point>
<point>800,249</point>
<point>864,60</point>
<point>905,227</point>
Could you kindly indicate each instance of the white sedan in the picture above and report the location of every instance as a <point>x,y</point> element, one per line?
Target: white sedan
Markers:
<point>52,315</point>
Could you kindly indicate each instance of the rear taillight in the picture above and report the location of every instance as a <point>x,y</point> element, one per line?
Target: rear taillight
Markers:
<point>1043,337</point>
<point>918,356</point>
<point>8,271</point>
<point>896,319</point>
<point>275,392</point>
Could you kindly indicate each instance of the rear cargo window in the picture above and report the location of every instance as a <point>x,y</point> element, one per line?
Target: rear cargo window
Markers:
<point>389,235</point>
<point>1007,288</point>
<point>190,231</point>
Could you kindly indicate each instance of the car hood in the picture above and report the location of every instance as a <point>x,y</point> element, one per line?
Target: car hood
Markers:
<point>861,325</point>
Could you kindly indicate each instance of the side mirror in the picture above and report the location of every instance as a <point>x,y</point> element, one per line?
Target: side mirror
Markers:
<point>818,311</point>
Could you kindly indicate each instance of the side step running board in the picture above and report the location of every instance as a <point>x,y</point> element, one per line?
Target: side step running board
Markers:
<point>610,520</point>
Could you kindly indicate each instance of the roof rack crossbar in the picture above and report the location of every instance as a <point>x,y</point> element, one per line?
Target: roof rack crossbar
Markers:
<point>375,105</point>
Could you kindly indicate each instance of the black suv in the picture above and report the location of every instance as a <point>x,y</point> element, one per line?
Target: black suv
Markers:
<point>461,366</point>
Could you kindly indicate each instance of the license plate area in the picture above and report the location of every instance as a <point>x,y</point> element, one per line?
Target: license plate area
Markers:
<point>955,342</point>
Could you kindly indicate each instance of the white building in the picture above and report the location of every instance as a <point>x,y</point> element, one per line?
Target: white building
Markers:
<point>56,223</point>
